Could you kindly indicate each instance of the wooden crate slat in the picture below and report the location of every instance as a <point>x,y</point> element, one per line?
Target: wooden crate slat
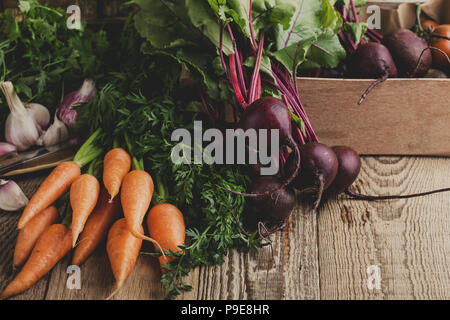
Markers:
<point>399,117</point>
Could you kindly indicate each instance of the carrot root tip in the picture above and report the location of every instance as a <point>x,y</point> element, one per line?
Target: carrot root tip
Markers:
<point>118,287</point>
<point>143,237</point>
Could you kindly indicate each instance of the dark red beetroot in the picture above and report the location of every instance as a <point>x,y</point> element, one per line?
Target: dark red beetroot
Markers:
<point>409,53</point>
<point>372,60</point>
<point>271,113</point>
<point>349,165</point>
<point>319,168</point>
<point>275,208</point>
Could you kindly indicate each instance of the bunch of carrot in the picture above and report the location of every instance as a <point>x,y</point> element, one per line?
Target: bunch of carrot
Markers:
<point>42,242</point>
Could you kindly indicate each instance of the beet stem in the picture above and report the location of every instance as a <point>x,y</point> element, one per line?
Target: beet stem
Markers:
<point>222,59</point>
<point>295,104</point>
<point>358,196</point>
<point>300,136</point>
<point>371,36</point>
<point>253,83</point>
<point>250,23</point>
<point>205,107</point>
<point>375,33</point>
<point>238,63</point>
<point>355,14</point>
<point>234,82</point>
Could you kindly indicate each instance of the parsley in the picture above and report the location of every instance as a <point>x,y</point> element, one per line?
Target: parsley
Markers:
<point>43,58</point>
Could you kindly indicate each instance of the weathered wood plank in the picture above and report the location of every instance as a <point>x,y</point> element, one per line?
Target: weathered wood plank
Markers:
<point>407,239</point>
<point>8,236</point>
<point>292,273</point>
<point>97,280</point>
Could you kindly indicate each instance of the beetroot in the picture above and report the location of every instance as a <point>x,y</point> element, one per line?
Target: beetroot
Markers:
<point>271,113</point>
<point>276,207</point>
<point>409,53</point>
<point>372,60</point>
<point>349,165</point>
<point>319,168</point>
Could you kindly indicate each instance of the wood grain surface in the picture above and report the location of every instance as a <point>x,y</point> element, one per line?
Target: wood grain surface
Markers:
<point>317,256</point>
<point>399,117</point>
<point>408,240</point>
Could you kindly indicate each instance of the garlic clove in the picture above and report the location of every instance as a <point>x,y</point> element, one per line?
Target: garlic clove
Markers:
<point>12,197</point>
<point>56,133</point>
<point>21,129</point>
<point>66,110</point>
<point>6,148</point>
<point>40,114</point>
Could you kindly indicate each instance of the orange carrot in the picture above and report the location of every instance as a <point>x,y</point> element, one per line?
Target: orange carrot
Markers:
<point>136,195</point>
<point>96,227</point>
<point>166,225</point>
<point>83,198</point>
<point>123,250</point>
<point>54,186</point>
<point>51,247</point>
<point>29,234</point>
<point>116,164</point>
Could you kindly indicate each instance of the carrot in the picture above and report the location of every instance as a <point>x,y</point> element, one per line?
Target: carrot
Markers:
<point>51,247</point>
<point>116,164</point>
<point>96,227</point>
<point>29,234</point>
<point>83,198</point>
<point>136,195</point>
<point>54,186</point>
<point>166,225</point>
<point>123,250</point>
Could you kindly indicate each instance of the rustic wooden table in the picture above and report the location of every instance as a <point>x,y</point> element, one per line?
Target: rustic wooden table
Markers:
<point>329,255</point>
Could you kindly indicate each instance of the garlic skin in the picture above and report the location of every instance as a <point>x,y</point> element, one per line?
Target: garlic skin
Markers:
<point>12,197</point>
<point>56,133</point>
<point>6,148</point>
<point>21,128</point>
<point>66,110</point>
<point>40,114</point>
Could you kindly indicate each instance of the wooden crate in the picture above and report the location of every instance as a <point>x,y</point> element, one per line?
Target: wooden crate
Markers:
<point>399,117</point>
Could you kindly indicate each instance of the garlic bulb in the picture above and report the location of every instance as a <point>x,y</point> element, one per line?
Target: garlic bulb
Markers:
<point>40,114</point>
<point>6,147</point>
<point>66,110</point>
<point>56,133</point>
<point>12,197</point>
<point>21,128</point>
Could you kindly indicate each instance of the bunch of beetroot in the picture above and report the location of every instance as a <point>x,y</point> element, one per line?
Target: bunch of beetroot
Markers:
<point>305,164</point>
